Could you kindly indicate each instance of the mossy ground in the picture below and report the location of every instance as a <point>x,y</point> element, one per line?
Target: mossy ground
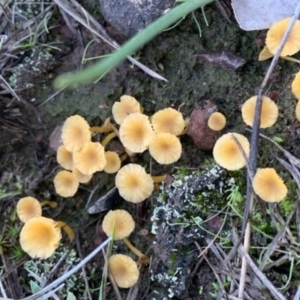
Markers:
<point>190,81</point>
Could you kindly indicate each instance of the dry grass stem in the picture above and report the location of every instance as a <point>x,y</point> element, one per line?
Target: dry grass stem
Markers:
<point>254,147</point>
<point>76,11</point>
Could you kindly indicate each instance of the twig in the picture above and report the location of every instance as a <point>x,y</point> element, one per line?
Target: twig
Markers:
<point>266,282</point>
<point>69,273</point>
<point>2,290</point>
<point>254,150</point>
<point>86,282</point>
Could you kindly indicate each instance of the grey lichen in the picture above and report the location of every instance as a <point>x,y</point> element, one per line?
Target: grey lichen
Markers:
<point>40,269</point>
<point>179,220</point>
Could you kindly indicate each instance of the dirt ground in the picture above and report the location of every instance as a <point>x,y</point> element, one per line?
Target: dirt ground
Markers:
<point>28,163</point>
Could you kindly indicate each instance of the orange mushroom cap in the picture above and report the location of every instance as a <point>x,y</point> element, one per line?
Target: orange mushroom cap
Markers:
<point>133,183</point>
<point>168,120</point>
<point>269,112</point>
<point>90,158</point>
<point>65,183</point>
<point>40,237</point>
<point>64,158</point>
<point>227,152</point>
<point>28,208</point>
<point>113,162</point>
<point>75,133</point>
<point>216,121</point>
<point>82,178</point>
<point>165,148</point>
<point>297,111</point>
<point>124,270</point>
<point>275,35</point>
<point>296,86</point>
<point>269,186</point>
<point>125,107</point>
<point>136,132</point>
<point>118,223</point>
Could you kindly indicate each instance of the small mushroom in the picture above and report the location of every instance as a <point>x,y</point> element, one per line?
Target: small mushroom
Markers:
<point>82,178</point>
<point>118,223</point>
<point>65,183</point>
<point>113,162</point>
<point>28,208</point>
<point>216,121</point>
<point>165,148</point>
<point>168,120</point>
<point>228,149</point>
<point>40,237</point>
<point>275,35</point>
<point>297,111</point>
<point>269,186</point>
<point>124,270</point>
<point>296,86</point>
<point>64,158</point>
<point>198,129</point>
<point>125,107</point>
<point>136,132</point>
<point>133,183</point>
<point>90,158</point>
<point>269,112</point>
<point>75,133</point>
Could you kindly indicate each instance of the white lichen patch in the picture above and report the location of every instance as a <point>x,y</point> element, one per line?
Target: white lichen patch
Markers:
<point>179,219</point>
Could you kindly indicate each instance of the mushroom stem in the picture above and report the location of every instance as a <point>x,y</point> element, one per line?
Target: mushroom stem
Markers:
<point>159,179</point>
<point>186,127</point>
<point>52,204</point>
<point>123,156</point>
<point>67,229</point>
<point>108,138</point>
<point>142,257</point>
<point>100,129</point>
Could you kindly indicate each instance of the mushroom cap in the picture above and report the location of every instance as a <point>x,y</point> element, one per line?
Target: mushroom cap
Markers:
<point>40,237</point>
<point>113,162</point>
<point>275,35</point>
<point>27,208</point>
<point>296,86</point>
<point>82,178</point>
<point>125,107</point>
<point>133,183</point>
<point>75,133</point>
<point>297,111</point>
<point>165,148</point>
<point>216,121</point>
<point>227,152</point>
<point>269,186</point>
<point>65,183</point>
<point>269,112</point>
<point>136,132</point>
<point>64,158</point>
<point>118,223</point>
<point>124,270</point>
<point>168,120</point>
<point>90,158</point>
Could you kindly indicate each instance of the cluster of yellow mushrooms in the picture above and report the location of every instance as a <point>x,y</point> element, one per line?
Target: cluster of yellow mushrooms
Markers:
<point>39,236</point>
<point>81,157</point>
<point>274,37</point>
<point>232,150</point>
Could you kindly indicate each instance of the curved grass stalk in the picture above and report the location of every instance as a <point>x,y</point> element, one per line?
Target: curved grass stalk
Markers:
<point>134,44</point>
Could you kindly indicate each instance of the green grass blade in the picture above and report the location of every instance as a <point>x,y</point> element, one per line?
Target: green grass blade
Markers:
<point>138,41</point>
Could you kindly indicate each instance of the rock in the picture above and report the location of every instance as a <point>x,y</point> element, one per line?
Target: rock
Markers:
<point>198,131</point>
<point>129,17</point>
<point>176,230</point>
